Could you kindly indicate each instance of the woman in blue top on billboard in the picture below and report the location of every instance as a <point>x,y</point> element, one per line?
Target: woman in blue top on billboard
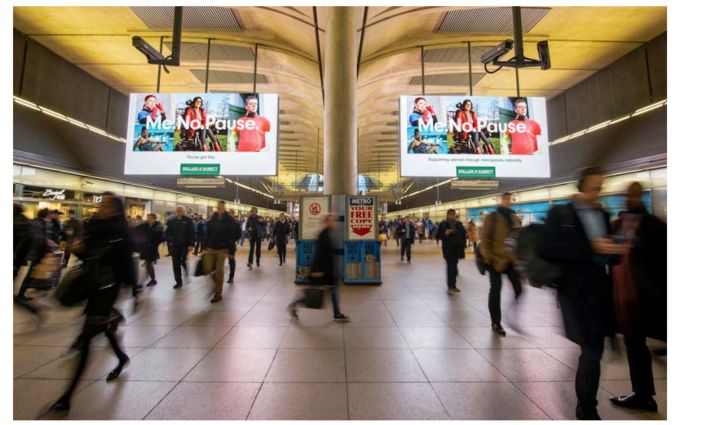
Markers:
<point>422,113</point>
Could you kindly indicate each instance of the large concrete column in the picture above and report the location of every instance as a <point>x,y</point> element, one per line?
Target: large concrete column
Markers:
<point>340,80</point>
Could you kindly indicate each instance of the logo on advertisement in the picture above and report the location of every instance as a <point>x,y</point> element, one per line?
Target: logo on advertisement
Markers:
<point>314,209</point>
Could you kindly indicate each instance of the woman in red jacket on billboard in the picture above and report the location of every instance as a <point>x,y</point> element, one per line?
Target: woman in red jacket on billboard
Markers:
<point>196,113</point>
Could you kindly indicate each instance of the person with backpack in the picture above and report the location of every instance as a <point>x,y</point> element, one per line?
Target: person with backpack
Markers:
<point>453,246</point>
<point>640,292</point>
<point>180,235</point>
<point>577,241</point>
<point>497,229</point>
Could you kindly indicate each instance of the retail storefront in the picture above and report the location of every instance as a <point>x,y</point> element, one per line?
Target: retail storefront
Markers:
<point>36,188</point>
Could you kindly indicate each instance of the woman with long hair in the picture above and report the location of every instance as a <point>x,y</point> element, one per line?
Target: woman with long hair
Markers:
<point>466,115</point>
<point>106,253</point>
<point>196,112</point>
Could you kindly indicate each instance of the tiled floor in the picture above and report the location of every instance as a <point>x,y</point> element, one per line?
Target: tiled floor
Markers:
<point>411,352</point>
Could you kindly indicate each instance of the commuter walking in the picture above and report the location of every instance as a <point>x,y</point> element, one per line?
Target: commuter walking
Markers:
<point>181,236</point>
<point>232,249</point>
<point>152,236</point>
<point>32,248</point>
<point>453,245</point>
<point>420,230</point>
<point>220,235</point>
<point>243,224</point>
<point>323,269</point>
<point>280,235</point>
<point>499,259</point>
<point>576,239</point>
<point>200,234</point>
<point>256,231</point>
<point>640,290</point>
<point>71,233</point>
<point>107,253</point>
<point>405,233</point>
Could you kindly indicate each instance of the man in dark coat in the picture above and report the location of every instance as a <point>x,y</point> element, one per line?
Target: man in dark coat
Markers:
<point>576,239</point>
<point>280,234</point>
<point>72,232</point>
<point>181,235</point>
<point>453,246</point>
<point>232,249</point>
<point>152,237</point>
<point>405,233</point>
<point>640,283</point>
<point>256,230</point>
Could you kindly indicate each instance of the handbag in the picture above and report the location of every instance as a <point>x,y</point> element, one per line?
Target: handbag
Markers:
<point>75,286</point>
<point>313,297</point>
<point>272,243</point>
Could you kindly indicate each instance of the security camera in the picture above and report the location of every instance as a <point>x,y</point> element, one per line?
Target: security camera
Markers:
<point>153,56</point>
<point>543,52</point>
<point>496,52</point>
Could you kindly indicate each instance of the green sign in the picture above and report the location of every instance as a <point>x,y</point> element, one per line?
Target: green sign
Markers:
<point>476,172</point>
<point>199,169</point>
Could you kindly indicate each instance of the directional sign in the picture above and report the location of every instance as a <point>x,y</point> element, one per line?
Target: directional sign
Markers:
<point>474,184</point>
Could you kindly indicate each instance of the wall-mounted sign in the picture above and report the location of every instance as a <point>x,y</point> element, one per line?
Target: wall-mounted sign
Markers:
<point>55,195</point>
<point>361,218</point>
<point>313,211</point>
<point>474,184</point>
<point>96,199</point>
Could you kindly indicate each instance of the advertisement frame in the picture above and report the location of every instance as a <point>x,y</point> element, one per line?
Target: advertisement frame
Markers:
<point>302,210</point>
<point>376,218</point>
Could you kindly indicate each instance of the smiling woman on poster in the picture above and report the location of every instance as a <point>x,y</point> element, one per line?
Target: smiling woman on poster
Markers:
<point>252,128</point>
<point>422,113</point>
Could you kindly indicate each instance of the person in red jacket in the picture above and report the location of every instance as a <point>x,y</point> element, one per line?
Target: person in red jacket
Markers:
<point>252,128</point>
<point>465,114</point>
<point>523,142</point>
<point>151,108</point>
<point>195,112</point>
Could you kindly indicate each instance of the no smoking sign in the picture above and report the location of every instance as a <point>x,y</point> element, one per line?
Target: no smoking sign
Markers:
<point>314,209</point>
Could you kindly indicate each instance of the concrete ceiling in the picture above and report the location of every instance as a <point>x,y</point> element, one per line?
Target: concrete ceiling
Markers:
<point>582,41</point>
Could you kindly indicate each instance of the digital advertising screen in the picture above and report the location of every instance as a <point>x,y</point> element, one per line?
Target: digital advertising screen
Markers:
<point>473,137</point>
<point>202,134</point>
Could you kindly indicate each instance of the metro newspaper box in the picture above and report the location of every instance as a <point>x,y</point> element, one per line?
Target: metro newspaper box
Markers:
<point>362,250</point>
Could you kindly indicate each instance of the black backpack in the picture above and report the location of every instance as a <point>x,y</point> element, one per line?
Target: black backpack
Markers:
<point>538,271</point>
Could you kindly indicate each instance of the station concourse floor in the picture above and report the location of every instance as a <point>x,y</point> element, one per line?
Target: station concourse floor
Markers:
<point>411,351</point>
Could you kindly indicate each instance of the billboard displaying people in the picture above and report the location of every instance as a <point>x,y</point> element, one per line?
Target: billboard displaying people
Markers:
<point>234,133</point>
<point>439,134</point>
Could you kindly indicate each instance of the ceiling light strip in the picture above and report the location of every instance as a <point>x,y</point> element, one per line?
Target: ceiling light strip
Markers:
<point>26,103</point>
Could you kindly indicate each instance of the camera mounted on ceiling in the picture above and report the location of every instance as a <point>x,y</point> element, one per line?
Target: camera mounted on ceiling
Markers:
<point>492,56</point>
<point>153,56</point>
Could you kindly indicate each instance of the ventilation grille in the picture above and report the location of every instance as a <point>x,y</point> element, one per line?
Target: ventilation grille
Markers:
<point>457,79</point>
<point>229,77</point>
<point>218,52</point>
<point>495,20</point>
<point>193,18</point>
<point>455,54</point>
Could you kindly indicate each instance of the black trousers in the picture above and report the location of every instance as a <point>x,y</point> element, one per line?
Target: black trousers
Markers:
<point>586,381</point>
<point>150,268</point>
<point>494,292</point>
<point>640,369</point>
<point>254,242</point>
<point>281,249</point>
<point>452,270</point>
<point>178,254</point>
<point>406,248</point>
<point>231,252</point>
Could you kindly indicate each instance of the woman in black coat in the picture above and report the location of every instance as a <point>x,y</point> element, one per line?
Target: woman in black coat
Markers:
<point>106,254</point>
<point>280,235</point>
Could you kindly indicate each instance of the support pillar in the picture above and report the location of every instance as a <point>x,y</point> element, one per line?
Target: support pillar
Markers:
<point>340,147</point>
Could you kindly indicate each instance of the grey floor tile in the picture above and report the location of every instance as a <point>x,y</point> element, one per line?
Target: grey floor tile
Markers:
<point>308,365</point>
<point>387,401</point>
<point>32,398</point>
<point>373,337</point>
<point>299,336</point>
<point>253,337</point>
<point>486,401</point>
<point>483,337</point>
<point>521,365</point>
<point>456,365</point>
<point>284,401</point>
<point>27,359</point>
<point>116,400</point>
<point>162,364</point>
<point>433,337</point>
<point>216,318</point>
<point>233,365</point>
<point>384,365</point>
<point>192,337</point>
<point>206,401</point>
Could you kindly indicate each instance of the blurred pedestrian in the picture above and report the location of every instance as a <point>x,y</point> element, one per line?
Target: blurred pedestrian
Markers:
<point>640,290</point>
<point>72,232</point>
<point>232,248</point>
<point>499,258</point>
<point>405,234</point>
<point>280,235</point>
<point>577,240</point>
<point>323,269</point>
<point>152,237</point>
<point>106,251</point>
<point>256,229</point>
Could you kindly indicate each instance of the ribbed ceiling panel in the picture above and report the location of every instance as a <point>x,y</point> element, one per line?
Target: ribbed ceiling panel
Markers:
<point>493,20</point>
<point>229,77</point>
<point>193,18</point>
<point>456,79</point>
